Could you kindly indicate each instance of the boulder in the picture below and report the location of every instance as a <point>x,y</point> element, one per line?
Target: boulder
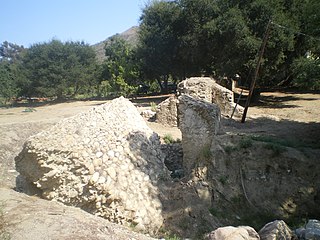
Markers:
<point>276,230</point>
<point>224,98</point>
<point>148,114</point>
<point>167,112</point>
<point>312,230</point>
<point>26,217</point>
<point>197,87</point>
<point>106,161</point>
<point>234,233</point>
<point>199,122</point>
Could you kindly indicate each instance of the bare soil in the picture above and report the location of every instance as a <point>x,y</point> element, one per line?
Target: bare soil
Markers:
<point>289,116</point>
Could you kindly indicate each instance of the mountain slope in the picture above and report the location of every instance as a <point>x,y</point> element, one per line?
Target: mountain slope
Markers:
<point>130,35</point>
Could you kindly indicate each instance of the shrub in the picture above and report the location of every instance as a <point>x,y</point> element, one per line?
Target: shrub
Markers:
<point>167,138</point>
<point>206,152</point>
<point>153,106</point>
<point>245,143</point>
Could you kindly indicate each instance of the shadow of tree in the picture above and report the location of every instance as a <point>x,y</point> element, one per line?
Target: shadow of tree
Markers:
<point>184,213</point>
<point>296,134</point>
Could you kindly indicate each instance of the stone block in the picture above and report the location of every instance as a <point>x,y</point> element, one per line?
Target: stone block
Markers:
<point>106,161</point>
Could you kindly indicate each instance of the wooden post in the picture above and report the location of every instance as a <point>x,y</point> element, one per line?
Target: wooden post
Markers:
<point>253,83</point>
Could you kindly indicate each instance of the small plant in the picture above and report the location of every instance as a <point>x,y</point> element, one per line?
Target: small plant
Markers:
<point>275,148</point>
<point>167,138</point>
<point>206,152</point>
<point>29,110</point>
<point>153,106</point>
<point>223,179</point>
<point>245,143</point>
<point>229,149</point>
<point>174,237</point>
<point>215,212</point>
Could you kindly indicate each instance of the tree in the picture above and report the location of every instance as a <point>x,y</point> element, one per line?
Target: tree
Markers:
<point>10,51</point>
<point>222,37</point>
<point>57,69</point>
<point>10,55</point>
<point>158,41</point>
<point>120,68</point>
<point>8,84</point>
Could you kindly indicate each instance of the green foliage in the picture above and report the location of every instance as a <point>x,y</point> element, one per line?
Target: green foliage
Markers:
<point>285,142</point>
<point>153,106</point>
<point>194,37</point>
<point>206,152</point>
<point>29,110</point>
<point>8,83</point>
<point>245,143</point>
<point>120,68</point>
<point>223,179</point>
<point>229,149</point>
<point>10,55</point>
<point>275,148</point>
<point>167,138</point>
<point>307,73</point>
<point>174,237</point>
<point>158,40</point>
<point>51,69</point>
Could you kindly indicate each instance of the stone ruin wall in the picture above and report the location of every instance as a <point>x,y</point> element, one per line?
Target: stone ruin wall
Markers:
<point>199,122</point>
<point>106,161</point>
<point>207,89</point>
<point>203,88</point>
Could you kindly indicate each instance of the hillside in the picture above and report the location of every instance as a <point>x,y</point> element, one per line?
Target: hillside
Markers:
<point>130,35</point>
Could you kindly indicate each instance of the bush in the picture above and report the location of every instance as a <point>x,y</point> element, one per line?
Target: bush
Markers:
<point>245,143</point>
<point>307,73</point>
<point>167,138</point>
<point>153,106</point>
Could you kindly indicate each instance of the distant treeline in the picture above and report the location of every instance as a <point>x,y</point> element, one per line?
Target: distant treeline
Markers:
<point>176,39</point>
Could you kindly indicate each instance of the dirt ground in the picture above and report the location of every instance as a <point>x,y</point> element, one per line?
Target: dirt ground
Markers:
<point>284,115</point>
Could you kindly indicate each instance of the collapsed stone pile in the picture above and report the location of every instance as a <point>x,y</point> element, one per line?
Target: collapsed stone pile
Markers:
<point>106,161</point>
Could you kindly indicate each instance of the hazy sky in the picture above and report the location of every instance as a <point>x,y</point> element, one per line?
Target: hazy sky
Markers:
<point>26,22</point>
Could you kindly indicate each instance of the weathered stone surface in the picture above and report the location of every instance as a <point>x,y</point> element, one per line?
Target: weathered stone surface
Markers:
<point>30,218</point>
<point>197,87</point>
<point>276,230</point>
<point>224,98</point>
<point>167,112</point>
<point>199,122</point>
<point>106,161</point>
<point>173,159</point>
<point>148,114</point>
<point>312,230</point>
<point>234,233</point>
<point>207,89</point>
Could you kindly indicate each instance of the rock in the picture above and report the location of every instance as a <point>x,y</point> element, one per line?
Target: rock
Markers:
<point>199,122</point>
<point>207,89</point>
<point>301,233</point>
<point>173,158</point>
<point>116,157</point>
<point>148,114</point>
<point>30,218</point>
<point>276,230</point>
<point>234,233</point>
<point>312,230</point>
<point>197,87</point>
<point>224,98</point>
<point>167,112</point>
